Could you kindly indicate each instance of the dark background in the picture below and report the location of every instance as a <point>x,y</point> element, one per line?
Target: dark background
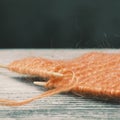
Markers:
<point>59,23</point>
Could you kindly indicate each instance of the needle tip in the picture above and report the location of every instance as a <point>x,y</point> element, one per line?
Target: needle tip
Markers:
<point>39,83</point>
<point>3,66</point>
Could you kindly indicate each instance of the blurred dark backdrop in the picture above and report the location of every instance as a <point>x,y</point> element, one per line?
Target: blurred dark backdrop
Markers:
<point>59,23</point>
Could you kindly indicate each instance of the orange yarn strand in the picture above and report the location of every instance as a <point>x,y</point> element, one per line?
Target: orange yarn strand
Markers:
<point>7,102</point>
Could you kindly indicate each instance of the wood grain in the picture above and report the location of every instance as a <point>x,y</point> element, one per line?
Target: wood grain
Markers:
<point>57,107</point>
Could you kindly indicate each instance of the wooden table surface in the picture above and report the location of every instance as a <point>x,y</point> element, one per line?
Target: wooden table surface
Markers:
<point>57,107</point>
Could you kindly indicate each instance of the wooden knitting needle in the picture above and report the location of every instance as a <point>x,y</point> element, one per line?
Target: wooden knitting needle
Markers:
<point>40,83</point>
<point>3,66</point>
<point>56,74</point>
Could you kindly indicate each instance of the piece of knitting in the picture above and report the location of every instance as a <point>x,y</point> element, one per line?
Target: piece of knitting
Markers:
<point>93,74</point>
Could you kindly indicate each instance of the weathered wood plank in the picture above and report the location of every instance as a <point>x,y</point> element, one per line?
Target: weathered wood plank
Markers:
<point>57,107</point>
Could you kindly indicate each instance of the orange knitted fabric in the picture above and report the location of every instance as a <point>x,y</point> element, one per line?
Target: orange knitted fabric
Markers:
<point>92,74</point>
